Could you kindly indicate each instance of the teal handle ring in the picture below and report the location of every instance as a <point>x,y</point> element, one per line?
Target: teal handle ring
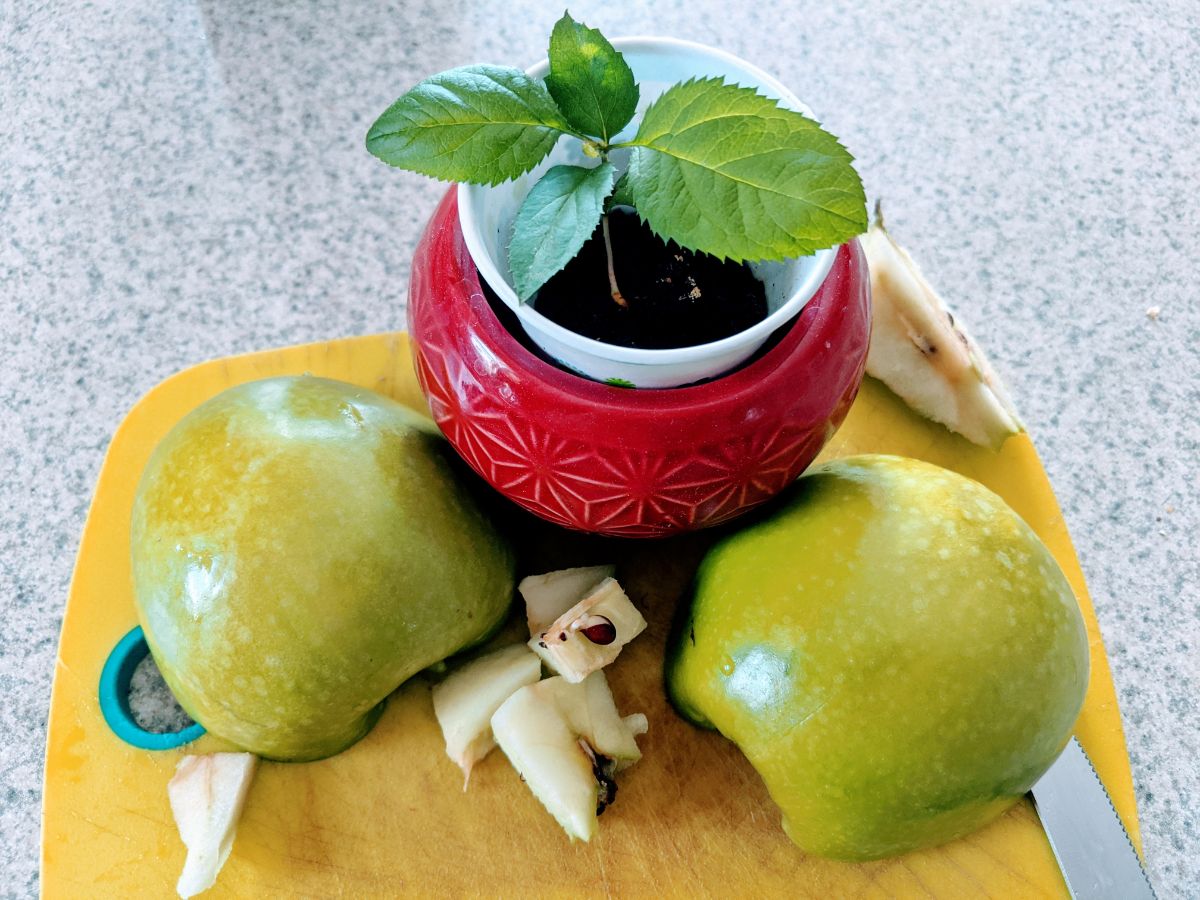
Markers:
<point>114,698</point>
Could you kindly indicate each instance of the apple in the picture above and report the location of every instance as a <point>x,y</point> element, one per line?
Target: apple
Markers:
<point>894,650</point>
<point>582,636</point>
<point>466,699</point>
<point>207,795</point>
<point>549,595</point>
<point>301,547</point>
<point>925,354</point>
<point>567,741</point>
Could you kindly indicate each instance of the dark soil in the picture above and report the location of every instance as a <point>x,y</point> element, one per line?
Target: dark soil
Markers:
<point>511,324</point>
<point>676,298</point>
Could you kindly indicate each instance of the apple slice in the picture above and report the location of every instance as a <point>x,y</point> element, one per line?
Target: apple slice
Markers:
<point>592,714</point>
<point>207,794</point>
<point>550,595</point>
<point>566,740</point>
<point>466,700</point>
<point>637,723</point>
<point>535,736</point>
<point>590,634</point>
<point>920,352</point>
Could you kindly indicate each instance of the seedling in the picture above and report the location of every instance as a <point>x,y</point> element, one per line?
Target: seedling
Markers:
<point>715,167</point>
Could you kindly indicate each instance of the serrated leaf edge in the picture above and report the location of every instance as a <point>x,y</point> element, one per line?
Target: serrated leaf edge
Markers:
<point>591,86</point>
<point>561,125</point>
<point>524,297</point>
<point>638,143</point>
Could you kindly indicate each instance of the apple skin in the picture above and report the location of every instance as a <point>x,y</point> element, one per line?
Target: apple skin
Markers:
<point>300,548</point>
<point>894,650</point>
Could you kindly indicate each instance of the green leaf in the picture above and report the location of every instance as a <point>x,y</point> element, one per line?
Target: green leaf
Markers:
<point>481,124</point>
<point>724,170</point>
<point>620,195</point>
<point>590,80</point>
<point>554,222</point>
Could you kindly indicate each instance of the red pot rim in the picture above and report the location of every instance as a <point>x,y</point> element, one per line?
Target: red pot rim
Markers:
<point>817,323</point>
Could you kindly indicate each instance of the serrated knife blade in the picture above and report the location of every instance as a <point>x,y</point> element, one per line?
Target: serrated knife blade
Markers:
<point>1090,842</point>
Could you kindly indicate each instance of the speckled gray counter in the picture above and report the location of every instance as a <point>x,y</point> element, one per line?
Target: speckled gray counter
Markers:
<point>182,180</point>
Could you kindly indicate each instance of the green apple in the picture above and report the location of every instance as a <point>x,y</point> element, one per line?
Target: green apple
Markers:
<point>300,548</point>
<point>894,650</point>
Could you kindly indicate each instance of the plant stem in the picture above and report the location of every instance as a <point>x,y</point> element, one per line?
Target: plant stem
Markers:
<point>612,274</point>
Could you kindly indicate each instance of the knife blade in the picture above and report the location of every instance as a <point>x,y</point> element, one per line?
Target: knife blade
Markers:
<point>1089,840</point>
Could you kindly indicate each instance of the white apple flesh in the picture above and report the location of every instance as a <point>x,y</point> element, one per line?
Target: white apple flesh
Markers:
<point>536,738</point>
<point>589,635</point>
<point>591,713</point>
<point>552,733</point>
<point>924,355</point>
<point>207,795</point>
<point>550,595</point>
<point>466,700</point>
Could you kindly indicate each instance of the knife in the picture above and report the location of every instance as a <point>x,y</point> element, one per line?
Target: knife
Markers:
<point>1089,841</point>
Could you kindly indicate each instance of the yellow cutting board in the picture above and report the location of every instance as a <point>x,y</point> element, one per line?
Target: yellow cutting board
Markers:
<point>389,816</point>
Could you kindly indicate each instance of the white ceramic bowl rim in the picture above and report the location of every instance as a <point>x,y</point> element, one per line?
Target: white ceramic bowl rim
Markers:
<point>526,312</point>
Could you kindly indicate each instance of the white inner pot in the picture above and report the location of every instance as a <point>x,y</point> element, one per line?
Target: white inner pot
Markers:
<point>486,215</point>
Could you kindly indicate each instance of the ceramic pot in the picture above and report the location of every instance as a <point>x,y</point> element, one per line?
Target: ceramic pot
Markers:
<point>620,461</point>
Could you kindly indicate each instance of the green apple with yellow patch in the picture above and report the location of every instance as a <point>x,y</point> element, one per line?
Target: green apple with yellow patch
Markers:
<point>893,648</point>
<point>301,547</point>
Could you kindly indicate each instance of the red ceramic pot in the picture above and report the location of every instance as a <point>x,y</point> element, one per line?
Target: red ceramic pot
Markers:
<point>637,463</point>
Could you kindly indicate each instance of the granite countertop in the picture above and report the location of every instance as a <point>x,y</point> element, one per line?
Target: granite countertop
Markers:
<point>182,180</point>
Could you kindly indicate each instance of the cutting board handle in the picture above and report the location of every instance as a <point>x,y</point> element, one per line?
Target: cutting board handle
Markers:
<point>114,698</point>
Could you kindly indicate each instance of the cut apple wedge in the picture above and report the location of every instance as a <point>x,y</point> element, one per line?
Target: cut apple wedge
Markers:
<point>590,634</point>
<point>924,355</point>
<point>637,723</point>
<point>466,700</point>
<point>591,713</point>
<point>536,738</point>
<point>566,740</point>
<point>207,794</point>
<point>550,595</point>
